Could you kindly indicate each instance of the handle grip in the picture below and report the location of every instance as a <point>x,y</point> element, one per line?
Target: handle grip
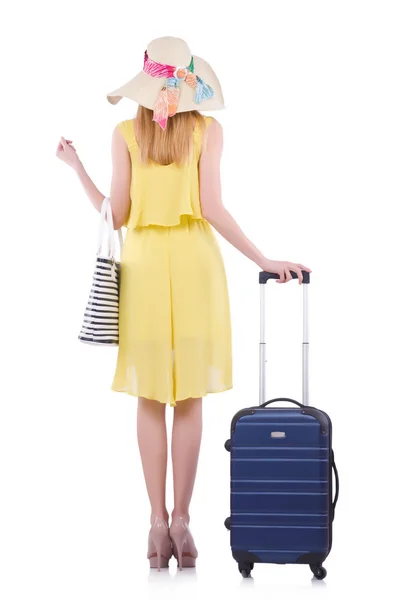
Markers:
<point>282,400</point>
<point>106,218</point>
<point>335,470</point>
<point>264,276</point>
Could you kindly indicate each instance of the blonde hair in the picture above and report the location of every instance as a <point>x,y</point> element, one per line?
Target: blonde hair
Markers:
<point>172,145</point>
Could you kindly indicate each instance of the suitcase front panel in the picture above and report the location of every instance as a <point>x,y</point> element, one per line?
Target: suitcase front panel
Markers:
<point>280,485</point>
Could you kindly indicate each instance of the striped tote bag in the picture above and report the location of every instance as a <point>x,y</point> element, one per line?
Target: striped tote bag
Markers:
<point>101,318</point>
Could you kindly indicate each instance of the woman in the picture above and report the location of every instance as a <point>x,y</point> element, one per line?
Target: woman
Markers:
<point>174,317</point>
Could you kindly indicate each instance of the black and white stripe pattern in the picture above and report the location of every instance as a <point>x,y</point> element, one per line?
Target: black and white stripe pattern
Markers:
<point>101,317</point>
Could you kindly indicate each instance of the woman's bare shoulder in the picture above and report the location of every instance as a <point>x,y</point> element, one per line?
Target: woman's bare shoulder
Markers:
<point>214,135</point>
<point>127,130</point>
<point>212,122</point>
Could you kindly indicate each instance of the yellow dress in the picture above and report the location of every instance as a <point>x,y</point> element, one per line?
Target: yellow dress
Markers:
<point>174,318</point>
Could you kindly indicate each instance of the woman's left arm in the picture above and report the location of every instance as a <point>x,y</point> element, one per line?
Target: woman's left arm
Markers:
<point>121,177</point>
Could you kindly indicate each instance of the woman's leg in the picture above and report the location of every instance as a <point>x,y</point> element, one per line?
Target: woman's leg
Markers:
<point>185,448</point>
<point>152,442</point>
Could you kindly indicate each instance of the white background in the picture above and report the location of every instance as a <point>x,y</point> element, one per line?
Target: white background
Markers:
<point>310,135</point>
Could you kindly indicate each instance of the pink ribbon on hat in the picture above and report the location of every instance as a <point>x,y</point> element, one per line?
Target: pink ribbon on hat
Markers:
<point>167,102</point>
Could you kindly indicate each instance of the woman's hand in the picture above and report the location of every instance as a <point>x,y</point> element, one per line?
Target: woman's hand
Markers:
<point>67,152</point>
<point>283,268</point>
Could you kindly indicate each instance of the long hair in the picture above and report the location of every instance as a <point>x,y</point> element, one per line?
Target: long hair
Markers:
<point>172,145</point>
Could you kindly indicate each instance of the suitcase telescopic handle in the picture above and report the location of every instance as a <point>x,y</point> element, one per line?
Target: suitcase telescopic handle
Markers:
<point>282,400</point>
<point>264,276</point>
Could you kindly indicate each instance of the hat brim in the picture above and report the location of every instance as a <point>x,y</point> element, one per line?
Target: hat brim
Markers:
<point>144,89</point>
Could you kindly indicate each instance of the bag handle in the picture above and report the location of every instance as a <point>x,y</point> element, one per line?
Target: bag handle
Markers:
<point>102,220</point>
<point>106,209</point>
<point>110,220</point>
<point>282,400</point>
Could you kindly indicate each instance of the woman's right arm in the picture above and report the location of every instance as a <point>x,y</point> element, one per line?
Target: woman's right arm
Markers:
<point>216,214</point>
<point>121,176</point>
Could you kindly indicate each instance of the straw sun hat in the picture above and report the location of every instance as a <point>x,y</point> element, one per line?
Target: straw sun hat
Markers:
<point>172,80</point>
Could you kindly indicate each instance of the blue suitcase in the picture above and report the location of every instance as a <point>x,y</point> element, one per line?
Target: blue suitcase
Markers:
<point>281,463</point>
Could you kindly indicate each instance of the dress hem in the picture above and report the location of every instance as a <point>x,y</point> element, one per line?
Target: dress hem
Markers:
<point>173,403</point>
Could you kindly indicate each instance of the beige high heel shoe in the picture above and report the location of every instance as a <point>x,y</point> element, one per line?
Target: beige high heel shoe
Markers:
<point>183,545</point>
<point>159,544</point>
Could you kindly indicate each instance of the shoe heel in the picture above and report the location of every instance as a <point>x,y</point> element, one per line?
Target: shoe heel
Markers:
<point>179,544</point>
<point>183,546</point>
<point>158,561</point>
<point>160,550</point>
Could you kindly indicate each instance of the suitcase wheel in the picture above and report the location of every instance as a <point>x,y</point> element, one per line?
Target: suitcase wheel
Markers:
<point>227,523</point>
<point>245,569</point>
<point>318,571</point>
<point>228,445</point>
